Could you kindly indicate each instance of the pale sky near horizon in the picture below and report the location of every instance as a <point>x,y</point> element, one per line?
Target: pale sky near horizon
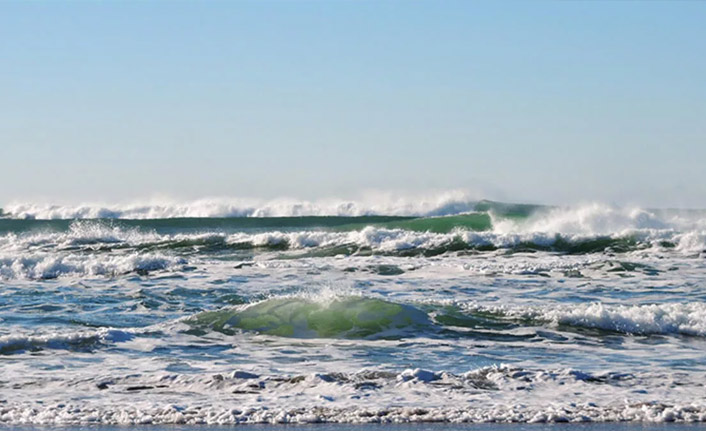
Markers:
<point>549,102</point>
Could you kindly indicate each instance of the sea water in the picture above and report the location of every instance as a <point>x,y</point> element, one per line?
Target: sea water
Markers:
<point>458,311</point>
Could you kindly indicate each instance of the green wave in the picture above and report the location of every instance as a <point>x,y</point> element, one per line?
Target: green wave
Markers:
<point>508,209</point>
<point>445,224</point>
<point>352,317</point>
<point>478,221</point>
<point>188,225</point>
<point>348,317</point>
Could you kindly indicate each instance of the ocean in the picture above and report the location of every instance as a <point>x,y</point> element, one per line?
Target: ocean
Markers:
<point>402,312</point>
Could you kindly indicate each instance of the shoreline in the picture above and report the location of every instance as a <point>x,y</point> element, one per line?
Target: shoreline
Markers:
<point>436,426</point>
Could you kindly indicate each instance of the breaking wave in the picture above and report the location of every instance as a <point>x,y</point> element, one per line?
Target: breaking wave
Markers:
<point>647,319</point>
<point>447,203</point>
<point>45,267</point>
<point>420,238</point>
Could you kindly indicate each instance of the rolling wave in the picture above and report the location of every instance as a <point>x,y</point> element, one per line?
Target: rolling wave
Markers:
<point>344,317</point>
<point>447,203</point>
<point>365,317</point>
<point>97,236</point>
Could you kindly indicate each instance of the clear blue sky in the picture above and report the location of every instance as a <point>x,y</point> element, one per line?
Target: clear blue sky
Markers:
<point>550,102</point>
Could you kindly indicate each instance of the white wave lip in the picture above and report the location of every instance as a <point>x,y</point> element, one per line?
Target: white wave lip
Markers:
<point>376,238</point>
<point>591,220</point>
<point>687,319</point>
<point>445,203</point>
<point>43,267</point>
<point>665,319</point>
<point>390,240</point>
<point>80,233</point>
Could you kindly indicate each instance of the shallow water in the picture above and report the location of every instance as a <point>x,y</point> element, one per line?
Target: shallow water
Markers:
<point>507,314</point>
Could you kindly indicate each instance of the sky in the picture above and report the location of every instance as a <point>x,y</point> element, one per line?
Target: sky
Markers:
<point>547,102</point>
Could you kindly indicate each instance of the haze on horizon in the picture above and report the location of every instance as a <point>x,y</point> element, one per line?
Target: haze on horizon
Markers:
<point>546,102</point>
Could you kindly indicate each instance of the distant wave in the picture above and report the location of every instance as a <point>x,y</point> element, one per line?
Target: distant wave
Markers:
<point>446,203</point>
<point>592,219</point>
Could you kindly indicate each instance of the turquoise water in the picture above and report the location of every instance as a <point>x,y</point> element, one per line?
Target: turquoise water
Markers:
<point>475,313</point>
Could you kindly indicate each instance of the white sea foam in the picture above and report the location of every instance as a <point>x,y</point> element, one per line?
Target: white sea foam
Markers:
<point>489,394</point>
<point>689,319</point>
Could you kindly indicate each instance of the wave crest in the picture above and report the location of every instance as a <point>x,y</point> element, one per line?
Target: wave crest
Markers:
<point>44,267</point>
<point>646,319</point>
<point>446,203</point>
